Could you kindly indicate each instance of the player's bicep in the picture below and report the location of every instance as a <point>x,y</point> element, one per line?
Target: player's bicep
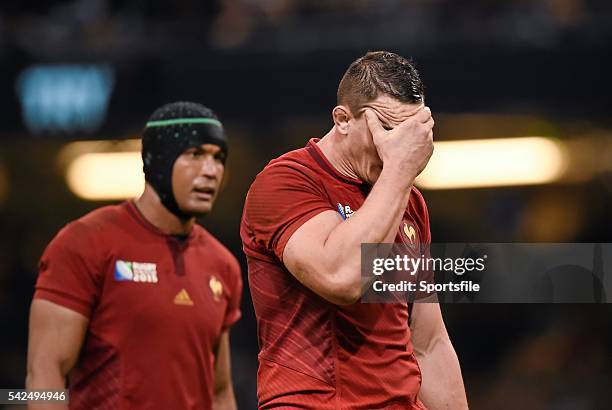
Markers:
<point>306,257</point>
<point>56,335</point>
<point>427,325</point>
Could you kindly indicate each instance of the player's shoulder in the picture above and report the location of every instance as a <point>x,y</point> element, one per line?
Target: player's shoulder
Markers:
<point>84,237</point>
<point>296,156</point>
<point>417,208</point>
<point>104,217</point>
<point>89,226</point>
<point>417,204</point>
<point>296,164</point>
<point>418,198</point>
<point>216,248</point>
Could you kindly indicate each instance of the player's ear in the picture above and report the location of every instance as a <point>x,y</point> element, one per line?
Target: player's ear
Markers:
<point>341,116</point>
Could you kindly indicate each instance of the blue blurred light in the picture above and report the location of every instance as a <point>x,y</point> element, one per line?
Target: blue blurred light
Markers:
<point>64,98</point>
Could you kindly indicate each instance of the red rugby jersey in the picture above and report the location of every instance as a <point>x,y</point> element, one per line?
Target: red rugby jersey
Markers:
<point>156,308</point>
<point>314,354</point>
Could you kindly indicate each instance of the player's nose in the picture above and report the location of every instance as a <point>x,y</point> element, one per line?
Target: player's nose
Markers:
<point>209,168</point>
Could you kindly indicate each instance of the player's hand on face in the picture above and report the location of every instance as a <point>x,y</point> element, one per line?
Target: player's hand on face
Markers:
<point>408,146</point>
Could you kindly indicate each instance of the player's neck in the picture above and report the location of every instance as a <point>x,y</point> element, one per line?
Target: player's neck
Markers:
<point>335,150</point>
<point>155,212</point>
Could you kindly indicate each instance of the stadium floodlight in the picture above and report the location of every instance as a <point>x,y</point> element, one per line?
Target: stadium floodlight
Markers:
<point>106,175</point>
<point>494,163</point>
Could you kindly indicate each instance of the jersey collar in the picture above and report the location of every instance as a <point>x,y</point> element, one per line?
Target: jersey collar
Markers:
<point>316,153</point>
<point>139,217</point>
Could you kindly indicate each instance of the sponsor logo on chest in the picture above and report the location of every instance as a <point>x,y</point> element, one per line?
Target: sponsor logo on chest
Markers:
<point>144,272</point>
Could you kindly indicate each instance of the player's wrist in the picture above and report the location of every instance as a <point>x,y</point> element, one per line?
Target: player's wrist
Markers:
<point>398,175</point>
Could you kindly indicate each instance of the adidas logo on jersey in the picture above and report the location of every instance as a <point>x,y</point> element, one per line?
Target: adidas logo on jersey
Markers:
<point>182,298</point>
<point>135,271</point>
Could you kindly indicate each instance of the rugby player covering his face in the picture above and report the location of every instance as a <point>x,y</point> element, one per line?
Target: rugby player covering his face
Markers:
<point>305,217</point>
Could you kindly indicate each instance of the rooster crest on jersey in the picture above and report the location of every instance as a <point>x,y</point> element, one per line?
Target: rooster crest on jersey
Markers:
<point>216,287</point>
<point>409,232</point>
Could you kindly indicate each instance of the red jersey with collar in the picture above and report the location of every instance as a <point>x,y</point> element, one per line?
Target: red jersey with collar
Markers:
<point>314,354</point>
<point>156,307</point>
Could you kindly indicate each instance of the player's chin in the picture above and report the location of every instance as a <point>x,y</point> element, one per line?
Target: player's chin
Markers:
<point>199,207</point>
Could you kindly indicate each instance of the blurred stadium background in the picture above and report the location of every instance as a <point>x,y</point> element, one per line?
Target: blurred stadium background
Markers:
<point>80,77</point>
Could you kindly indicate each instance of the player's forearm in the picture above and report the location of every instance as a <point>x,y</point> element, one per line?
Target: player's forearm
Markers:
<point>45,377</point>
<point>376,221</point>
<point>224,399</point>
<point>442,383</point>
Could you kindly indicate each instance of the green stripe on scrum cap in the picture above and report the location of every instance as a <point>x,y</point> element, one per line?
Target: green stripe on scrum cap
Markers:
<point>177,121</point>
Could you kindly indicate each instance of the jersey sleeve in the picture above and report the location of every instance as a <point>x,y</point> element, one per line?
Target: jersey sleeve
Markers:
<point>422,218</point>
<point>282,199</point>
<point>233,313</point>
<point>69,273</point>
<point>426,226</point>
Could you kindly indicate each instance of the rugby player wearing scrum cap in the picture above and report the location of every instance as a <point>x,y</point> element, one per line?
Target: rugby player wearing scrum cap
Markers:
<point>134,302</point>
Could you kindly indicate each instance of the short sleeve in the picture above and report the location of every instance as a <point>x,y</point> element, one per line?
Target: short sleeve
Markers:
<point>426,226</point>
<point>426,275</point>
<point>69,271</point>
<point>422,216</point>
<point>282,199</point>
<point>232,312</point>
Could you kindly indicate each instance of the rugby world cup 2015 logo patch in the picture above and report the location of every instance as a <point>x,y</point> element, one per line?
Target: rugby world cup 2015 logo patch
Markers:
<point>345,211</point>
<point>135,271</point>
